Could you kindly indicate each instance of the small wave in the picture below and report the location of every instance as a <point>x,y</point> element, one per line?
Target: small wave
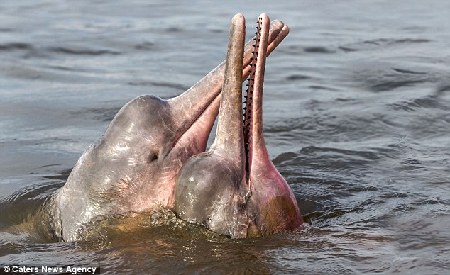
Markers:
<point>381,42</point>
<point>19,206</point>
<point>144,46</point>
<point>390,41</point>
<point>174,86</point>
<point>173,30</point>
<point>294,77</point>
<point>297,49</point>
<point>386,76</point>
<point>317,49</point>
<point>335,159</point>
<point>413,105</point>
<point>364,154</point>
<point>406,71</point>
<point>321,87</point>
<point>101,114</point>
<point>443,87</point>
<point>81,51</point>
<point>15,46</point>
<point>347,49</point>
<point>393,84</point>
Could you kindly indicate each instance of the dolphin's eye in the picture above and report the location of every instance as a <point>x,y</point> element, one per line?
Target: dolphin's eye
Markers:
<point>152,157</point>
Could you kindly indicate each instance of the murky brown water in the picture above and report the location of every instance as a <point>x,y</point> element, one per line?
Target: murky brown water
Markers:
<point>357,119</point>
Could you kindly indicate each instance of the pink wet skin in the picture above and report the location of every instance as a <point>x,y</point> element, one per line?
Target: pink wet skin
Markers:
<point>273,199</point>
<point>234,188</point>
<point>134,166</point>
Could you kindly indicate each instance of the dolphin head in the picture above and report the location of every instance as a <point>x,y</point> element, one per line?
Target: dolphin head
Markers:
<point>234,188</point>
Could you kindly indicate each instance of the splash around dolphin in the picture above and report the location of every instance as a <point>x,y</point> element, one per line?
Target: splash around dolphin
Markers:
<point>234,189</point>
<point>134,167</point>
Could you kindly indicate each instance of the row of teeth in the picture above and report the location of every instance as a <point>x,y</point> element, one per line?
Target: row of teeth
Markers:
<point>247,110</point>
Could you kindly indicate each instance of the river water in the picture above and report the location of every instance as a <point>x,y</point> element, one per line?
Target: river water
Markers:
<point>357,119</point>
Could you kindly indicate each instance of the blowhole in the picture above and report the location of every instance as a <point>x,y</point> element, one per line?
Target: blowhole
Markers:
<point>152,157</point>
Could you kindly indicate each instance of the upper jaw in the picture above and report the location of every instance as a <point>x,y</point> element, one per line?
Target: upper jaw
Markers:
<point>229,135</point>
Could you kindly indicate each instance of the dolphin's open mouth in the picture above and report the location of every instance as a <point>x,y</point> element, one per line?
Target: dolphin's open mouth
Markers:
<point>252,105</point>
<point>204,105</point>
<point>248,97</point>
